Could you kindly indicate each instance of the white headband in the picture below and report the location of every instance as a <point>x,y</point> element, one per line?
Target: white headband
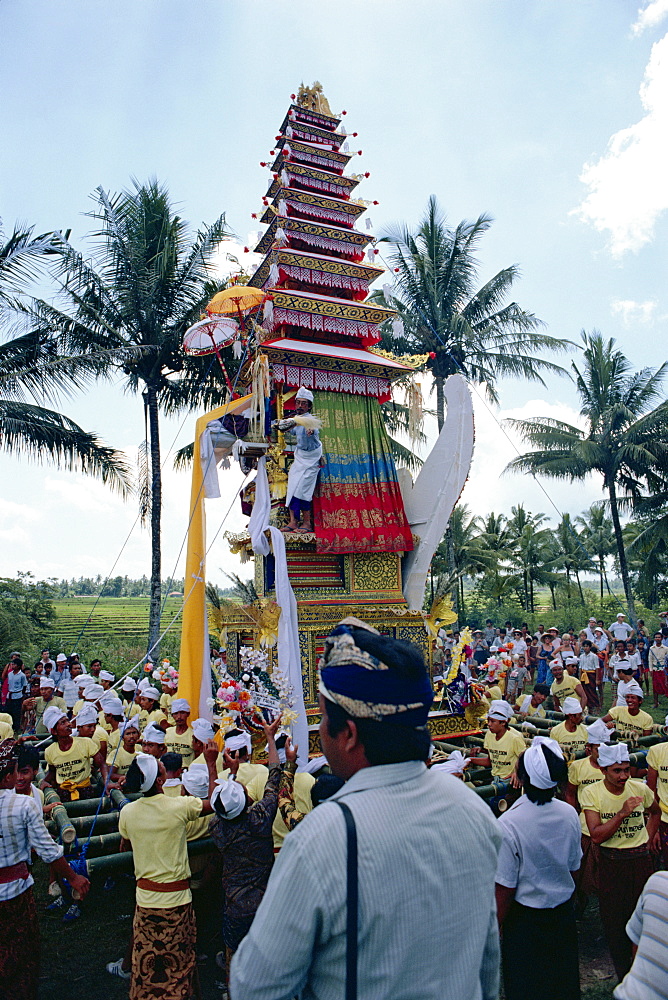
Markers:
<point>148,766</point>
<point>180,705</point>
<point>598,732</point>
<point>202,729</point>
<point>112,706</point>
<point>455,763</point>
<point>195,780</point>
<point>317,763</point>
<point>93,692</point>
<point>303,393</point>
<point>500,710</point>
<point>132,723</point>
<point>240,742</point>
<point>129,684</point>
<point>86,716</point>
<point>634,688</point>
<point>230,797</point>
<point>536,764</point>
<point>52,717</point>
<point>106,675</point>
<point>618,753</point>
<point>153,734</point>
<point>571,706</point>
<point>151,692</point>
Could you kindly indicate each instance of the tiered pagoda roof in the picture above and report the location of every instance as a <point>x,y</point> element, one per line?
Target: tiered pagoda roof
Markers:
<point>321,324</point>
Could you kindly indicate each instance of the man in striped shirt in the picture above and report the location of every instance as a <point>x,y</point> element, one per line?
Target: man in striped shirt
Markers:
<point>426,846</point>
<point>647,978</point>
<point>22,828</point>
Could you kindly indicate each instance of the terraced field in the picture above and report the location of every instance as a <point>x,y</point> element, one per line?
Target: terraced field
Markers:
<point>124,619</point>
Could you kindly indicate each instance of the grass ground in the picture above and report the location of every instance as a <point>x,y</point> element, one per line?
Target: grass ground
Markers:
<point>74,955</point>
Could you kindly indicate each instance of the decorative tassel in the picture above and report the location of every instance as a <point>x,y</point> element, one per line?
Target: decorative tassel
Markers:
<point>387,292</point>
<point>369,223</point>
<point>346,147</point>
<point>370,255</point>
<point>268,314</point>
<point>280,237</point>
<point>282,208</point>
<point>397,327</point>
<point>285,180</point>
<point>274,276</point>
<point>237,349</point>
<point>342,130</point>
<point>287,151</point>
<point>289,132</point>
<point>415,412</point>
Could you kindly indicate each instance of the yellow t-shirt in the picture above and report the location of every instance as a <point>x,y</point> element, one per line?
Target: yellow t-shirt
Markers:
<point>630,727</point>
<point>100,736</point>
<point>182,744</point>
<point>6,731</point>
<point>103,722</point>
<point>247,772</point>
<point>527,709</point>
<point>564,688</point>
<point>157,716</point>
<point>6,717</point>
<point>156,828</point>
<point>41,706</point>
<point>173,791</point>
<point>303,783</point>
<point>657,758</point>
<point>74,764</point>
<point>121,760</point>
<point>78,705</point>
<point>504,753</point>
<point>198,828</point>
<point>113,739</point>
<point>582,773</point>
<point>632,831</point>
<point>166,703</point>
<point>494,693</point>
<point>570,743</point>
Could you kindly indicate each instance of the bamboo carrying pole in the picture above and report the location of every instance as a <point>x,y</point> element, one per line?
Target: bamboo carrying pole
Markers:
<point>62,821</point>
<point>108,863</point>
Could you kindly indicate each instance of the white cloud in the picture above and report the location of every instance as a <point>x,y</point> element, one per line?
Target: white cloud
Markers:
<point>627,185</point>
<point>232,256</point>
<point>650,15</point>
<point>632,312</point>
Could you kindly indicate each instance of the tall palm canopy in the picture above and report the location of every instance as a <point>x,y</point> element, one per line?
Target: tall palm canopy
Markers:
<point>623,438</point>
<point>131,305</point>
<point>468,330</point>
<point>32,370</point>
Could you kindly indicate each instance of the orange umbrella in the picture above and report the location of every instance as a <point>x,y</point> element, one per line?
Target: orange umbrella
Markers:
<point>236,299</point>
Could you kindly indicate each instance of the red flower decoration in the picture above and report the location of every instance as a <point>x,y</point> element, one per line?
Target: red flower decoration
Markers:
<point>344,112</point>
<point>292,97</point>
<point>263,163</point>
<point>396,271</point>
<point>254,215</point>
<point>246,250</point>
<point>355,134</point>
<point>432,354</point>
<point>359,152</point>
<point>376,203</point>
<point>367,174</point>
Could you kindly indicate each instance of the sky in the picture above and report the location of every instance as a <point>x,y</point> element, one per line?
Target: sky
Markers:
<point>551,116</point>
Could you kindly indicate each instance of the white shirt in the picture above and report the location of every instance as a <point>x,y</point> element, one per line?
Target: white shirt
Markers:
<point>423,838</point>
<point>648,929</point>
<point>540,848</point>
<point>620,630</point>
<point>622,690</point>
<point>588,661</point>
<point>22,827</point>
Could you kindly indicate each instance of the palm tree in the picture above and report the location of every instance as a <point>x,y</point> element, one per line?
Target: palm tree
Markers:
<point>32,370</point>
<point>468,556</point>
<point>624,439</point>
<point>147,282</point>
<point>598,538</point>
<point>573,556</point>
<point>532,551</point>
<point>475,332</point>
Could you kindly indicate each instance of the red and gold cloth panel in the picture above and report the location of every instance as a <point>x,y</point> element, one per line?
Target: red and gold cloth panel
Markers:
<point>357,506</point>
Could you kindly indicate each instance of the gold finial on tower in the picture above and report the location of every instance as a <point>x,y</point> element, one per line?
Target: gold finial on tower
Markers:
<point>313,98</point>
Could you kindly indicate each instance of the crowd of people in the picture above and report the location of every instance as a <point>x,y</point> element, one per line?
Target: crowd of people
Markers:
<point>586,816</point>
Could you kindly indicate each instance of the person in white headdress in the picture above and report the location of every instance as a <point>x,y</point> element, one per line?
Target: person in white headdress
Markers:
<point>303,474</point>
<point>631,722</point>
<point>540,853</point>
<point>502,745</point>
<point>571,734</point>
<point>581,774</point>
<point>657,779</point>
<point>616,810</point>
<point>238,746</point>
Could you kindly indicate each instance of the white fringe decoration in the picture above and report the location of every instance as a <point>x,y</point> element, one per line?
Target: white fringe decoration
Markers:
<point>346,147</point>
<point>282,208</point>
<point>289,132</point>
<point>369,223</point>
<point>415,411</point>
<point>274,276</point>
<point>268,314</point>
<point>285,180</point>
<point>397,327</point>
<point>237,349</point>
<point>280,236</point>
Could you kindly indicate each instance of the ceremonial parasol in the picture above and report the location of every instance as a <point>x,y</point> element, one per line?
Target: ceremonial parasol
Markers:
<point>236,300</point>
<point>208,336</point>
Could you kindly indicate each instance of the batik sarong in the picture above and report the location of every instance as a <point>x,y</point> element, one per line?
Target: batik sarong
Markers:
<point>163,954</point>
<point>19,947</point>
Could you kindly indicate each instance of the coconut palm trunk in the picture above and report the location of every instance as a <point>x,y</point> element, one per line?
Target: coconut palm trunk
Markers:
<point>621,551</point>
<point>156,518</point>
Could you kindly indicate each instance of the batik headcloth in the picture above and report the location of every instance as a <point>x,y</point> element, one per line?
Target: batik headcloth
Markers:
<point>8,754</point>
<point>367,688</point>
